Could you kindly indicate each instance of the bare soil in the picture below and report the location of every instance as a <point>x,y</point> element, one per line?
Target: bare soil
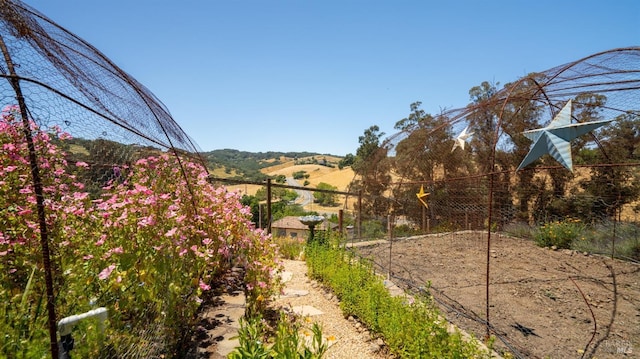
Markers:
<point>542,303</point>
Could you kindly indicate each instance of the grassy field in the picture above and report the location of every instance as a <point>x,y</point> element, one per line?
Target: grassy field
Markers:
<point>339,178</point>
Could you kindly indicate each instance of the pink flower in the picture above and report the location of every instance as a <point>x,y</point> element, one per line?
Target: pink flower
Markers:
<point>171,232</point>
<point>101,240</point>
<point>82,164</point>
<point>80,195</point>
<point>106,272</point>
<point>25,212</point>
<point>203,285</point>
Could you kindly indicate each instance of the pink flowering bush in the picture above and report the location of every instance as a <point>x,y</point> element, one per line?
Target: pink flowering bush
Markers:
<point>22,291</point>
<point>147,248</point>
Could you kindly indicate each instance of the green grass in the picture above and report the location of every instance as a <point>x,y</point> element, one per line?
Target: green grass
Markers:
<point>290,248</point>
<point>410,328</point>
<point>618,239</point>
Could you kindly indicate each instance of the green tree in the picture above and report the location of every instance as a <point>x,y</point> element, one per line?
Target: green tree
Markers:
<point>427,147</point>
<point>347,161</point>
<point>300,175</point>
<point>611,187</point>
<point>372,168</point>
<point>324,198</point>
<point>277,194</point>
<point>554,200</point>
<point>490,148</point>
<point>424,155</point>
<point>483,123</point>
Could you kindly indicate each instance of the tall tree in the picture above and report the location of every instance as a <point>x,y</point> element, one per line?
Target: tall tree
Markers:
<point>325,198</point>
<point>484,121</point>
<point>372,168</point>
<point>611,187</point>
<point>424,156</point>
<point>521,113</point>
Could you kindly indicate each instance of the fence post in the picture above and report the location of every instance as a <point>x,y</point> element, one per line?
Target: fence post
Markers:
<point>390,232</point>
<point>268,205</point>
<point>39,192</point>
<point>360,214</point>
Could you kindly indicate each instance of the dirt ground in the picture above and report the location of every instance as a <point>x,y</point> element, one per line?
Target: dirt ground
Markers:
<point>542,303</point>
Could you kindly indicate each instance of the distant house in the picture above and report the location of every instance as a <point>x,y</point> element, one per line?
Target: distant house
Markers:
<point>292,227</point>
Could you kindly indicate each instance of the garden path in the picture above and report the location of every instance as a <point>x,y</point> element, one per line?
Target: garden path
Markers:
<point>346,337</point>
<point>214,338</point>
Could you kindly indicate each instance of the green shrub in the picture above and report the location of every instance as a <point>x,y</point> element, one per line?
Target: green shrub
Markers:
<point>411,329</point>
<point>256,341</point>
<point>290,248</point>
<point>559,234</point>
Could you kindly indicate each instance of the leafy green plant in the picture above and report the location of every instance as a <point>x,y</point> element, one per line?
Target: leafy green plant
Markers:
<point>251,336</point>
<point>411,328</point>
<point>287,342</point>
<point>290,248</point>
<point>560,234</point>
<point>622,239</point>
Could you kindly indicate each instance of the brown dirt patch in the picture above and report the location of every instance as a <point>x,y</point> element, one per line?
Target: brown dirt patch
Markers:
<point>541,301</point>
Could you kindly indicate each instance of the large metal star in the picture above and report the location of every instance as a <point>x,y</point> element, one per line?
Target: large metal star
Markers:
<point>461,139</point>
<point>555,139</point>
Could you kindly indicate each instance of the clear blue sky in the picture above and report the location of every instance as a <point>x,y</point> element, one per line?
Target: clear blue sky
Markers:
<point>303,75</point>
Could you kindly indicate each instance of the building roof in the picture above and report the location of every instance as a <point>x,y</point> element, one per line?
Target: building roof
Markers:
<point>293,222</point>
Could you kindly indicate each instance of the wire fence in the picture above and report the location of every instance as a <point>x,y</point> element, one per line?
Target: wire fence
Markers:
<point>106,204</point>
<point>517,161</point>
<point>109,232</point>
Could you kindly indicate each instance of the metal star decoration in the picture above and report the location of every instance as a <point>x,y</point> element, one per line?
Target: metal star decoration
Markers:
<point>422,196</point>
<point>461,139</point>
<point>555,139</point>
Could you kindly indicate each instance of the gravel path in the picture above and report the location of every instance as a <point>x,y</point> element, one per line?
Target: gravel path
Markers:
<point>348,338</point>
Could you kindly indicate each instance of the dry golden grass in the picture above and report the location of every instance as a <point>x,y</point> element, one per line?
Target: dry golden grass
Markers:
<point>317,174</point>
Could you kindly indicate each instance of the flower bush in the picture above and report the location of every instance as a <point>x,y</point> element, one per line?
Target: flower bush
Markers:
<point>560,234</point>
<point>146,248</point>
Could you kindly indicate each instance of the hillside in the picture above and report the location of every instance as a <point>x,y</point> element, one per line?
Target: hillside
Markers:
<point>229,163</point>
<point>327,172</point>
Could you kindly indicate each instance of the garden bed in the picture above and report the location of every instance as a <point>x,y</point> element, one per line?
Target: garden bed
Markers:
<point>543,303</point>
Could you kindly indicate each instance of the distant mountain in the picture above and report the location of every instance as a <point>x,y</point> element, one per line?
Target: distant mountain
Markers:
<point>247,165</point>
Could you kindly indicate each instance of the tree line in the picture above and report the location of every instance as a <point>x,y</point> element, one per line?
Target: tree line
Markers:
<point>389,173</point>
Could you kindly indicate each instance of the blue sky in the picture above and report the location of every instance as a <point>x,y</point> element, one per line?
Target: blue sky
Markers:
<point>303,75</point>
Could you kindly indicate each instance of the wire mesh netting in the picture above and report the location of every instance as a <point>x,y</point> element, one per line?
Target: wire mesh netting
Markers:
<point>104,203</point>
<point>501,171</point>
